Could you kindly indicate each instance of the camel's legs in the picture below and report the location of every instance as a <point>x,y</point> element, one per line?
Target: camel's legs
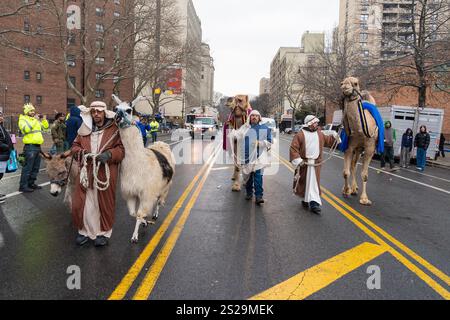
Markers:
<point>346,191</point>
<point>354,166</point>
<point>237,181</point>
<point>368,154</point>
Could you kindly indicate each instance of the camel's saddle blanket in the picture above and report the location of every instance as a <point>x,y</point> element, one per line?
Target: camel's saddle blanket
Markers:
<point>380,124</point>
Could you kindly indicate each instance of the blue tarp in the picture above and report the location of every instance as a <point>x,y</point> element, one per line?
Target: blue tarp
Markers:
<point>379,120</point>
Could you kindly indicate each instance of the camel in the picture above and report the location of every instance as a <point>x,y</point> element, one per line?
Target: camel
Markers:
<point>146,174</point>
<point>240,108</point>
<point>359,141</point>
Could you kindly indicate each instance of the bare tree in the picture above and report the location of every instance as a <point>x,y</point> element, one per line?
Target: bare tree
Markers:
<point>416,52</point>
<point>262,104</point>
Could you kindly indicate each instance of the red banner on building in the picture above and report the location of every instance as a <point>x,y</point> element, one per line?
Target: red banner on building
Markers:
<point>175,80</point>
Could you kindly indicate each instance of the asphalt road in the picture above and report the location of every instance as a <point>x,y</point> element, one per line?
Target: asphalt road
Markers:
<point>210,243</point>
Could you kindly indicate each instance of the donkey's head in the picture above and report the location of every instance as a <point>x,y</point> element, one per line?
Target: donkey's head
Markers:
<point>56,171</point>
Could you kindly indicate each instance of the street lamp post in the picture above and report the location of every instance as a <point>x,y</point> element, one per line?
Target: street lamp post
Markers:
<point>4,102</point>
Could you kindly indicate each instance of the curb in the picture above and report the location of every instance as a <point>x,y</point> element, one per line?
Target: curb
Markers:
<point>438,165</point>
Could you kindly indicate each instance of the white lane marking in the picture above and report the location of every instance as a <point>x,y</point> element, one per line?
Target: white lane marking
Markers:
<point>19,193</point>
<point>397,176</point>
<point>222,168</point>
<point>426,175</point>
<point>404,178</point>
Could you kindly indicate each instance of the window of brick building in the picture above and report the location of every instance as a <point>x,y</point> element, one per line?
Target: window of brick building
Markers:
<point>116,14</point>
<point>26,51</point>
<point>99,27</point>
<point>98,76</point>
<point>99,60</point>
<point>100,93</point>
<point>26,25</point>
<point>26,98</point>
<point>39,76</point>
<point>99,12</point>
<point>40,51</point>
<point>73,81</point>
<point>117,1</point>
<point>26,75</point>
<point>38,100</point>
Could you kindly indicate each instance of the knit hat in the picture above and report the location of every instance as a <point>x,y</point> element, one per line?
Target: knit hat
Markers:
<point>28,107</point>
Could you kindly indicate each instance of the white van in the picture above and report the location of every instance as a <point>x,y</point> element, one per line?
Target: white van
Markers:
<point>403,118</point>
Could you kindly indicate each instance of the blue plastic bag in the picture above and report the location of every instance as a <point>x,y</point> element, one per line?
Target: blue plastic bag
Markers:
<point>12,165</point>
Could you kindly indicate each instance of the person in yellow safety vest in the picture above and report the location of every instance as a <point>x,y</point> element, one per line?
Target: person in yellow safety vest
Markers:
<point>31,128</point>
<point>154,125</point>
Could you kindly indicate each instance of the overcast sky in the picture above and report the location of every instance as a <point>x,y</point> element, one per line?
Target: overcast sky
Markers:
<point>244,35</point>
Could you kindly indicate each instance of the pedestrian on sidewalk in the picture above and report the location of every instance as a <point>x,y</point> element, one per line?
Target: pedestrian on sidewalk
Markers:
<point>6,146</point>
<point>59,132</point>
<point>441,146</point>
<point>93,205</point>
<point>389,141</point>
<point>31,127</point>
<point>407,145</point>
<point>422,142</point>
<point>154,129</point>
<point>73,123</point>
<point>143,127</point>
<point>257,142</point>
<point>306,155</point>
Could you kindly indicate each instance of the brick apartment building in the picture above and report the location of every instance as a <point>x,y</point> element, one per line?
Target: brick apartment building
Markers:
<point>29,76</point>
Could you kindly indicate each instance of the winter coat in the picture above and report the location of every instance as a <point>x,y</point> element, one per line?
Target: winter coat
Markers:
<point>143,128</point>
<point>441,142</point>
<point>73,124</point>
<point>6,144</point>
<point>59,133</point>
<point>422,140</point>
<point>32,129</point>
<point>407,141</point>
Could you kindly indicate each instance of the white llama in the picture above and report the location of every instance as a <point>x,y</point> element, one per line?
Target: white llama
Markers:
<point>146,174</point>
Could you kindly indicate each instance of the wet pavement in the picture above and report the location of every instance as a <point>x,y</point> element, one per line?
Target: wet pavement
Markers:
<point>220,246</point>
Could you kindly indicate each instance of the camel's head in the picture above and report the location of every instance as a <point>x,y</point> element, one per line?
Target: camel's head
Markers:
<point>349,85</point>
<point>239,105</point>
<point>56,171</point>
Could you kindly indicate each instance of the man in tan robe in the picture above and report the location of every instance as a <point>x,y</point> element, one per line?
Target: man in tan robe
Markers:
<point>92,207</point>
<point>305,153</point>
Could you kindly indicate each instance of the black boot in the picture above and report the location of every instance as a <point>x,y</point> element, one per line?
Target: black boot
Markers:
<point>81,240</point>
<point>305,205</point>
<point>315,208</point>
<point>35,187</point>
<point>101,241</point>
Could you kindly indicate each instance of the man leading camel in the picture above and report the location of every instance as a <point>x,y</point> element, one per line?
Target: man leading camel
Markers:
<point>93,202</point>
<point>306,154</point>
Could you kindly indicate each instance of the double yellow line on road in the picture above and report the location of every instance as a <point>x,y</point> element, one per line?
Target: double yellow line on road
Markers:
<point>377,234</point>
<point>153,274</point>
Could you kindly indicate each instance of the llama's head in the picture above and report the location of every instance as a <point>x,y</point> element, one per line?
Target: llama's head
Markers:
<point>124,112</point>
<point>56,171</point>
<point>349,86</point>
<point>124,115</point>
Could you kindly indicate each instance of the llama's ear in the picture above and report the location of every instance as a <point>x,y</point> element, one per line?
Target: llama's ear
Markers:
<point>116,99</point>
<point>47,156</point>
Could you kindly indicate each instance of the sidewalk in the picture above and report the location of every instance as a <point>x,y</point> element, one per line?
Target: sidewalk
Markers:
<point>440,162</point>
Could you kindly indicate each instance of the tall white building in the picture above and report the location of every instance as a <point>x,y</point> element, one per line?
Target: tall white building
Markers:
<point>286,64</point>
<point>207,77</point>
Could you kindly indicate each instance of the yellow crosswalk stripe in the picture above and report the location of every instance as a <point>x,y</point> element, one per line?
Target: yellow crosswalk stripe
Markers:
<point>320,276</point>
